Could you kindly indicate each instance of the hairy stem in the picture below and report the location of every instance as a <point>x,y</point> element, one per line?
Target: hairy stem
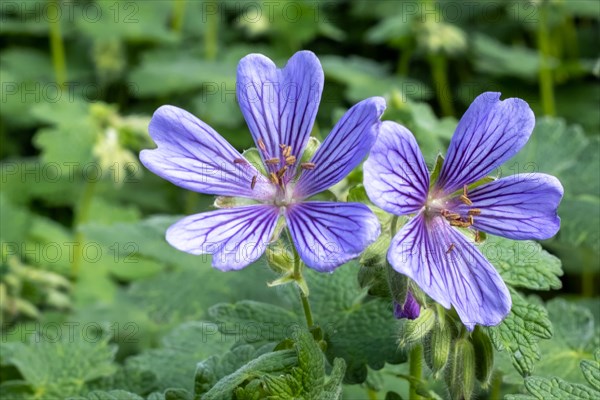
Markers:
<point>439,72</point>
<point>545,78</point>
<point>298,277</point>
<point>416,371</point>
<point>211,44</point>
<point>178,15</point>
<point>57,49</point>
<point>81,215</point>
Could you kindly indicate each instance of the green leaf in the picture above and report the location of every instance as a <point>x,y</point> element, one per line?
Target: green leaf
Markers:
<point>267,363</point>
<point>523,264</point>
<point>128,378</point>
<point>520,333</point>
<point>110,395</point>
<point>135,20</point>
<point>164,72</point>
<point>174,363</point>
<point>575,338</point>
<point>495,58</point>
<point>565,152</point>
<point>360,329</point>
<point>558,389</point>
<point>366,78</point>
<point>63,368</point>
<point>591,370</point>
<point>216,367</point>
<point>253,321</point>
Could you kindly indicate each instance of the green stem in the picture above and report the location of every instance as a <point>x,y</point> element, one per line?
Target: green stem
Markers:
<point>404,62</point>
<point>496,386</point>
<point>587,275</point>
<point>303,296</point>
<point>570,34</point>
<point>439,67</point>
<point>211,44</point>
<point>545,77</point>
<point>416,371</point>
<point>81,215</point>
<point>178,15</point>
<point>57,49</point>
<point>393,225</point>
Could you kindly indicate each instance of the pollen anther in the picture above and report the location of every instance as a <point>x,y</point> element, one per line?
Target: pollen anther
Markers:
<point>253,183</point>
<point>281,172</point>
<point>272,161</point>
<point>308,165</point>
<point>466,200</point>
<point>474,211</point>
<point>273,178</point>
<point>287,151</point>
<point>261,145</point>
<point>239,161</point>
<point>290,160</point>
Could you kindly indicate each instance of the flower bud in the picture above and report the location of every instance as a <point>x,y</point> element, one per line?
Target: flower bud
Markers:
<point>437,346</point>
<point>460,374</point>
<point>484,355</point>
<point>409,310</point>
<point>280,258</point>
<point>415,330</point>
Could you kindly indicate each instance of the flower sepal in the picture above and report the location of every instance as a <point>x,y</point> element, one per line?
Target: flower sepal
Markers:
<point>311,148</point>
<point>252,155</point>
<point>289,278</point>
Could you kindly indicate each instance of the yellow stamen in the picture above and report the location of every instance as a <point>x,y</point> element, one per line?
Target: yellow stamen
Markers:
<point>466,200</point>
<point>261,145</point>
<point>290,160</point>
<point>281,172</point>
<point>474,211</point>
<point>308,165</point>
<point>287,151</point>
<point>272,161</point>
<point>273,178</point>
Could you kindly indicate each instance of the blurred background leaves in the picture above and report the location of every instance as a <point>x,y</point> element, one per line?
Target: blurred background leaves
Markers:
<point>82,223</point>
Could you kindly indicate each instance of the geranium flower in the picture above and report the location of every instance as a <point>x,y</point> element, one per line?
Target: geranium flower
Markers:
<point>431,249</point>
<point>279,106</point>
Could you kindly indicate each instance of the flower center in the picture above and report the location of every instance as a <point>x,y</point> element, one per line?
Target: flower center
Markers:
<point>440,206</point>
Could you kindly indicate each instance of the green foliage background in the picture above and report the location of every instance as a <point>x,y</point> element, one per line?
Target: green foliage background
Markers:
<point>96,305</point>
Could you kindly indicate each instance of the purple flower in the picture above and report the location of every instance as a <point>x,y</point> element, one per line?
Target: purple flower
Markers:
<point>279,106</point>
<point>429,248</point>
<point>411,309</point>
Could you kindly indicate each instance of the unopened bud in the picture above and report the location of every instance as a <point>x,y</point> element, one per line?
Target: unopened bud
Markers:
<point>484,355</point>
<point>376,254</point>
<point>438,345</point>
<point>279,258</point>
<point>415,330</point>
<point>460,374</point>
